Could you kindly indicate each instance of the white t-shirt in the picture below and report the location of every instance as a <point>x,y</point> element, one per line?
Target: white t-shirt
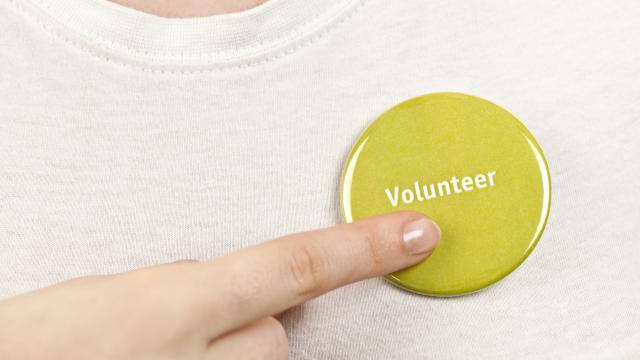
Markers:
<point>128,140</point>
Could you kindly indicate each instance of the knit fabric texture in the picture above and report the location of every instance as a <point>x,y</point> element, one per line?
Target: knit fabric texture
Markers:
<point>128,140</point>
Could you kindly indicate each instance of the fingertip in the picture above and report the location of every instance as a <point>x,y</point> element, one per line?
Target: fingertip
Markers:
<point>421,236</point>
<point>398,240</point>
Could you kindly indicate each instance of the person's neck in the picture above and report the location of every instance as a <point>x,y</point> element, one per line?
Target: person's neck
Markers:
<point>189,8</point>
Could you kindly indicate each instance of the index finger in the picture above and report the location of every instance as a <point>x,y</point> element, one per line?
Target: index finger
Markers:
<point>271,277</point>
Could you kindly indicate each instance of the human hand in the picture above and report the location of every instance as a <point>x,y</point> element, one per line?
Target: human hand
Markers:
<point>219,309</point>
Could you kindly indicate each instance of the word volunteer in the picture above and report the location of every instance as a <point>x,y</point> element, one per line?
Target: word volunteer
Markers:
<point>424,192</point>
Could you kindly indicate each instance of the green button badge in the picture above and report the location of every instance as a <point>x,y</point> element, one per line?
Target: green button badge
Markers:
<point>469,165</point>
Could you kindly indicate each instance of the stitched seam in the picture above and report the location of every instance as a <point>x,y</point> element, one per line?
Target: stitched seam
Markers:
<point>166,69</point>
<point>291,34</point>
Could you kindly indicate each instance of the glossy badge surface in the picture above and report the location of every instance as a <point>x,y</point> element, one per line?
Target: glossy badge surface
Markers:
<point>469,165</point>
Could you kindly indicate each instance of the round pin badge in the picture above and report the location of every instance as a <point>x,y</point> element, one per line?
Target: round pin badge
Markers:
<point>468,164</point>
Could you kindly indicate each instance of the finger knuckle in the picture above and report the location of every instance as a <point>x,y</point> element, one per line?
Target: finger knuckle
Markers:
<point>308,268</point>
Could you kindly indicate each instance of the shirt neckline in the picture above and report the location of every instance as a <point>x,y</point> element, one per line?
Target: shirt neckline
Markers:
<point>122,34</point>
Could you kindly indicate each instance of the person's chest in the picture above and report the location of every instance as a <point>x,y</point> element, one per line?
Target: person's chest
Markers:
<point>104,169</point>
<point>126,174</point>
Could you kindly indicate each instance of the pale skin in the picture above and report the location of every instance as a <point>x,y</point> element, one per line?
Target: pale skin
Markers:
<point>189,8</point>
<point>219,309</point>
<point>223,308</point>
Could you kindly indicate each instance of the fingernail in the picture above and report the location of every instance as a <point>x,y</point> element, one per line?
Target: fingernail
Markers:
<point>421,236</point>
